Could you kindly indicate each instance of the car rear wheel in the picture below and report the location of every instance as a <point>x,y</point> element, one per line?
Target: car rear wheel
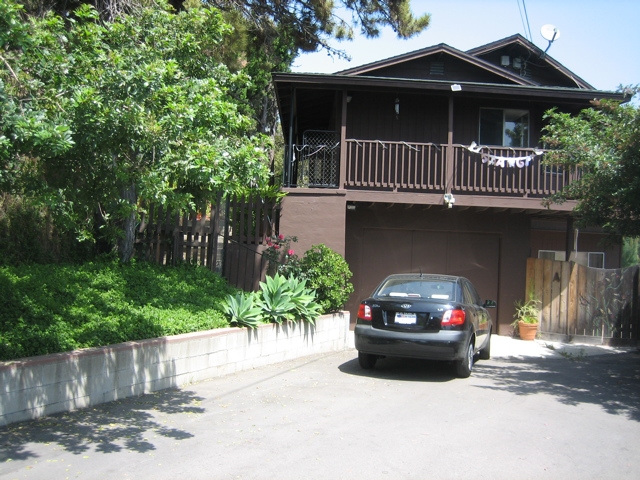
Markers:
<point>465,364</point>
<point>485,353</point>
<point>366,360</point>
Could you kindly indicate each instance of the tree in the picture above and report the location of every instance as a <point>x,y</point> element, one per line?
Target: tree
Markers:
<point>603,145</point>
<point>102,117</point>
<point>307,24</point>
<point>269,34</point>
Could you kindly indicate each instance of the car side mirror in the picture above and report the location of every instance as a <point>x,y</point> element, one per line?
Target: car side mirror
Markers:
<point>489,304</point>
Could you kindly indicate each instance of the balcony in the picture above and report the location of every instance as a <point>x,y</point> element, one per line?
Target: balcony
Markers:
<point>374,165</point>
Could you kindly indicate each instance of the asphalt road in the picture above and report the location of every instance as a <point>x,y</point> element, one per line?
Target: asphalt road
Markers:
<point>545,414</point>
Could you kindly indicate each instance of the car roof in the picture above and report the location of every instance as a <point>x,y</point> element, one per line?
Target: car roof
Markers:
<point>424,276</point>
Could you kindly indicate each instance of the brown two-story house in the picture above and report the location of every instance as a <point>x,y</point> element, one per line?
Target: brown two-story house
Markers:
<point>431,161</point>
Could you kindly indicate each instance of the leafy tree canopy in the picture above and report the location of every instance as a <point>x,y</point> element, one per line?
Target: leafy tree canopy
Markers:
<point>603,145</point>
<point>99,117</point>
<point>304,25</point>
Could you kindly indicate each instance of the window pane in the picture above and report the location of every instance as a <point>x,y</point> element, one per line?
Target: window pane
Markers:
<point>491,130</point>
<point>516,128</point>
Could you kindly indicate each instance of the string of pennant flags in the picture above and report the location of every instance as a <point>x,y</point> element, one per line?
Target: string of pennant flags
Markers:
<point>500,161</point>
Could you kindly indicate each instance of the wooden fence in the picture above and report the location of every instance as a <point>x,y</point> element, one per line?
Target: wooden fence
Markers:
<point>578,301</point>
<point>228,236</point>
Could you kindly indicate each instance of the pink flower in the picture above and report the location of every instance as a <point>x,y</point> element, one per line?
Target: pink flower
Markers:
<point>281,237</point>
<point>290,252</point>
<point>276,246</point>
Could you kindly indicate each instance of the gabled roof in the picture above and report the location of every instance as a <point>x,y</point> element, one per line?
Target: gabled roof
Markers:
<point>517,40</point>
<point>375,68</point>
<point>526,65</point>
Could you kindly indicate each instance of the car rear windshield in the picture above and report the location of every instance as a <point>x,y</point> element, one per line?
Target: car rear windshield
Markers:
<point>416,288</point>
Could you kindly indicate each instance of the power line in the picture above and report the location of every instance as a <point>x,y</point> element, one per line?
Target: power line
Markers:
<point>525,20</point>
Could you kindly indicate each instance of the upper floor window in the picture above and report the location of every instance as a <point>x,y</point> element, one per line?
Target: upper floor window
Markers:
<point>504,127</point>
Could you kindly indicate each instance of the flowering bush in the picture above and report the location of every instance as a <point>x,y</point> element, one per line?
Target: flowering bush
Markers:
<point>281,258</point>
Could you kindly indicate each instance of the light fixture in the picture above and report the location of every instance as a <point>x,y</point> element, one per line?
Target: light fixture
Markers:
<point>455,87</point>
<point>449,200</point>
<point>397,106</point>
<point>349,97</point>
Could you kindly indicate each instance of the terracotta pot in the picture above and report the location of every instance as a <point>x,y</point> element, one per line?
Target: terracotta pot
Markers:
<point>527,331</point>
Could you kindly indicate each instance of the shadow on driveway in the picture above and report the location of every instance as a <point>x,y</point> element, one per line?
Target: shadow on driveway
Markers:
<point>106,428</point>
<point>403,369</point>
<point>610,381</point>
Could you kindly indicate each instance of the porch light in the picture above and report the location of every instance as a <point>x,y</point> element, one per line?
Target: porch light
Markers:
<point>449,200</point>
<point>397,106</point>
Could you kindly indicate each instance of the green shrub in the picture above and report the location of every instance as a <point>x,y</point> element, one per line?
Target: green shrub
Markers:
<point>328,274</point>
<point>56,308</point>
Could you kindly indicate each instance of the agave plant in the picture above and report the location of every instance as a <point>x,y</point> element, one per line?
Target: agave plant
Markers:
<point>275,299</point>
<point>242,310</point>
<point>304,299</point>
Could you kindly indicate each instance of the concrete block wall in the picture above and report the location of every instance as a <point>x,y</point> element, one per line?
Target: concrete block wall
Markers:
<point>38,386</point>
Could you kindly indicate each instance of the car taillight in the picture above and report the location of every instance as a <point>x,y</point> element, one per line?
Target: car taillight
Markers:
<point>364,312</point>
<point>453,317</point>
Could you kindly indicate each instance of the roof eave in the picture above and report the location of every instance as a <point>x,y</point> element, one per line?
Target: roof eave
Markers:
<point>347,81</point>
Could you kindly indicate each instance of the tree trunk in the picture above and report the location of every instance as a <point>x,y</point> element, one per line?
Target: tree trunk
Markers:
<point>126,242</point>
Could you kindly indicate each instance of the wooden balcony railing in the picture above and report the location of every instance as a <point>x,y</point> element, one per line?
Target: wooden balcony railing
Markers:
<point>438,168</point>
<point>395,166</point>
<point>480,173</point>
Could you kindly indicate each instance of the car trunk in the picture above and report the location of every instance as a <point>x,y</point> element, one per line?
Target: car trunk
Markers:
<point>413,316</point>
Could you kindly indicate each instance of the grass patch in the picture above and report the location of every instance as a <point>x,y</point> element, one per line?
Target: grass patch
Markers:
<point>57,308</point>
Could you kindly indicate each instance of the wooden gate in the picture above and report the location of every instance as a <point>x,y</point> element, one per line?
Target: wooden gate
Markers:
<point>227,236</point>
<point>578,301</point>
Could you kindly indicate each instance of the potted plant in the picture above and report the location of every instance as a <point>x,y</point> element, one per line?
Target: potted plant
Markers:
<point>526,317</point>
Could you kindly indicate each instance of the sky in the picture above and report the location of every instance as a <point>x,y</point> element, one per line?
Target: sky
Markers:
<point>599,40</point>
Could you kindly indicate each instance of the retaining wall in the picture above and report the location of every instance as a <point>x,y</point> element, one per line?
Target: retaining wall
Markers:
<point>38,386</point>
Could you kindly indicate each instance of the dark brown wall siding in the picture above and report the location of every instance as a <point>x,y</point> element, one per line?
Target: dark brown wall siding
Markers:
<point>422,118</point>
<point>543,76</point>
<point>454,70</point>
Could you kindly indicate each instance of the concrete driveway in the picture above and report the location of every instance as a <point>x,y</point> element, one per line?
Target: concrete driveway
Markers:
<point>535,410</point>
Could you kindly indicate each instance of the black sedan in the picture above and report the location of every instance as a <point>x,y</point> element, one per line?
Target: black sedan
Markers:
<point>434,317</point>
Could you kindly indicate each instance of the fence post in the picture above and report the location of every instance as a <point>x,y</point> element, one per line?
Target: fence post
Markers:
<point>635,308</point>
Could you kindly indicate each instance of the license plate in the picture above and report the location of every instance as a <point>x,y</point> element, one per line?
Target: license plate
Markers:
<point>405,318</point>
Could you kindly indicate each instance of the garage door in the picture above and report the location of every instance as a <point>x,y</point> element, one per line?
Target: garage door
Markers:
<point>472,255</point>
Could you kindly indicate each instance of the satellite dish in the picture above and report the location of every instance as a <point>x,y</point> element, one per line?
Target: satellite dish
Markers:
<point>550,33</point>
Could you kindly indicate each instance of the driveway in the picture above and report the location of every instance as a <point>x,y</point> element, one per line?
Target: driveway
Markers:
<point>535,410</point>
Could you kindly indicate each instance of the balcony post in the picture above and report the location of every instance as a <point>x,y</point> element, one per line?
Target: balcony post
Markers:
<point>449,157</point>
<point>288,158</point>
<point>343,143</point>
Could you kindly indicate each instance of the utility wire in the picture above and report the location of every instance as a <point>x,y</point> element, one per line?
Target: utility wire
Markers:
<point>525,20</point>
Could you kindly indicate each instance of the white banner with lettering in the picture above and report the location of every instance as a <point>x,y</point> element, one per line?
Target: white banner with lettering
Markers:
<point>500,161</point>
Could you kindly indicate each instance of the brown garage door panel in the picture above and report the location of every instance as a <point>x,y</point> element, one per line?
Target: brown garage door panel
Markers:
<point>383,252</point>
<point>472,255</point>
